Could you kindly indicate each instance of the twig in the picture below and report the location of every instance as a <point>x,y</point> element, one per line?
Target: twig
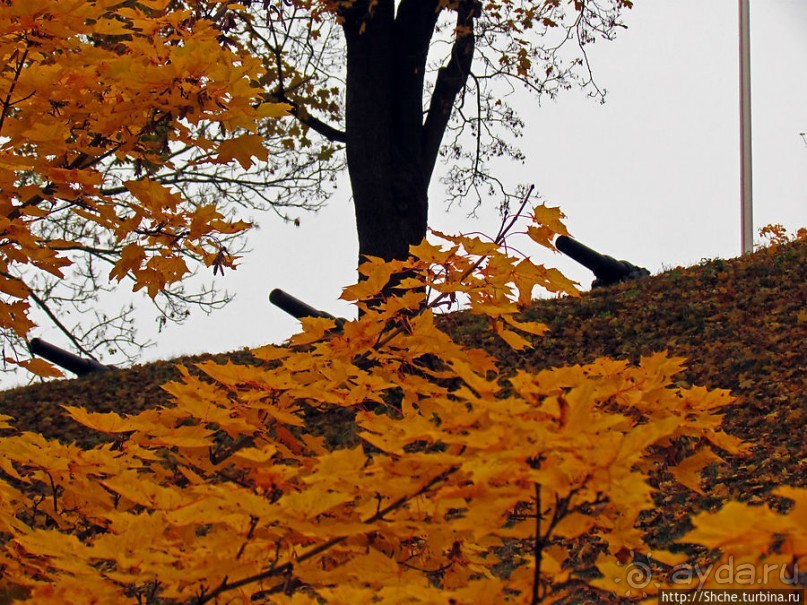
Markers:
<point>17,71</point>
<point>253,523</point>
<point>539,548</point>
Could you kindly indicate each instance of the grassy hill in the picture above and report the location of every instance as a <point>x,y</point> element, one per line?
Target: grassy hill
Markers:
<point>741,323</point>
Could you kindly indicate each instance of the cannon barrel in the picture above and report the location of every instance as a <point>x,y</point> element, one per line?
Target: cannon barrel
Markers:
<point>65,359</point>
<point>606,269</point>
<point>297,308</point>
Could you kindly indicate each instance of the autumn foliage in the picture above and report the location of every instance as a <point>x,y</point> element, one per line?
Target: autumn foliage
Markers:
<point>88,89</point>
<point>462,485</point>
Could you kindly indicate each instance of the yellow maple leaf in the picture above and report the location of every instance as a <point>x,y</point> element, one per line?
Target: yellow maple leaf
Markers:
<point>687,471</point>
<point>431,253</point>
<point>574,525</point>
<point>243,149</point>
<point>377,276</point>
<point>142,490</point>
<point>311,503</point>
<point>105,422</point>
<point>513,339</point>
<point>272,110</point>
<point>153,195</point>
<point>40,367</point>
<point>314,328</point>
<point>550,217</point>
<point>737,528</point>
<point>111,27</point>
<point>531,327</point>
<point>4,422</point>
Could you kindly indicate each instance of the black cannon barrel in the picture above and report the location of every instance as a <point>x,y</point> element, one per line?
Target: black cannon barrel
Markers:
<point>606,269</point>
<point>65,359</point>
<point>297,308</point>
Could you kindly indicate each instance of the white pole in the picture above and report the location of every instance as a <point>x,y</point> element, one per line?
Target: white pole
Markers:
<point>746,184</point>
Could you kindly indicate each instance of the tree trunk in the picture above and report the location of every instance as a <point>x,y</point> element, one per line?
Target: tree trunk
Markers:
<point>390,151</point>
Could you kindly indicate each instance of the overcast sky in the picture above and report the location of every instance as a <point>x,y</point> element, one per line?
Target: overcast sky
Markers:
<point>651,176</point>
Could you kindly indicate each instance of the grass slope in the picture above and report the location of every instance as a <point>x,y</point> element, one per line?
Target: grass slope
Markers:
<point>741,323</point>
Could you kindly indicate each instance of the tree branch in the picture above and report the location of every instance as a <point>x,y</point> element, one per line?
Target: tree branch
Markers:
<point>17,71</point>
<point>326,130</point>
<point>415,21</point>
<point>52,316</point>
<point>298,111</point>
<point>451,79</point>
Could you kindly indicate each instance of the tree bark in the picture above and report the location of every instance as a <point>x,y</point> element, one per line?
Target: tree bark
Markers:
<point>391,152</point>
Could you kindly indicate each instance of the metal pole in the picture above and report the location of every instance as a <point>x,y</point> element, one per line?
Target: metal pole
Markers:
<point>746,183</point>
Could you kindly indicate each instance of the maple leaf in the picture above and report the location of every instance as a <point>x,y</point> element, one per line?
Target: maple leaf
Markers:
<point>243,149</point>
<point>108,422</point>
<point>310,504</point>
<point>737,528</point>
<point>314,328</point>
<point>4,425</point>
<point>686,472</point>
<point>376,276</point>
<point>140,489</point>
<point>513,339</point>
<point>40,367</point>
<point>548,224</point>
<point>273,110</point>
<point>574,525</point>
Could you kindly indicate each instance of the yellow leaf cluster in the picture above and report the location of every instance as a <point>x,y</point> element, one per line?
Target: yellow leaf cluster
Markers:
<point>87,85</point>
<point>236,491</point>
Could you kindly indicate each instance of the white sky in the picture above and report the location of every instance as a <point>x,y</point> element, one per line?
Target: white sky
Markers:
<point>651,177</point>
